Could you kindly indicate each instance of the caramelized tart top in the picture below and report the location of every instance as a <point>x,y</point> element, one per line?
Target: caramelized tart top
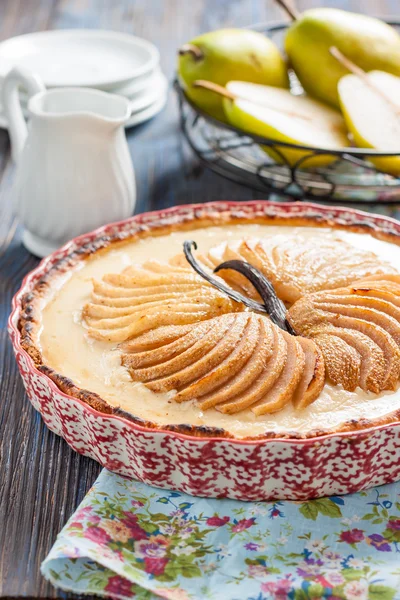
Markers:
<point>180,334</point>
<point>296,266</point>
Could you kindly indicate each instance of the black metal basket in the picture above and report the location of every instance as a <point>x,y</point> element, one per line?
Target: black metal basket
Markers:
<point>238,156</point>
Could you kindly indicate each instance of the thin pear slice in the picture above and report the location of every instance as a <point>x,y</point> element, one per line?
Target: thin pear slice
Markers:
<point>286,384</point>
<point>277,114</point>
<point>394,277</point>
<point>172,346</point>
<point>380,293</point>
<point>374,117</point>
<point>158,338</point>
<point>313,378</point>
<point>373,372</point>
<point>235,279</point>
<point>342,361</point>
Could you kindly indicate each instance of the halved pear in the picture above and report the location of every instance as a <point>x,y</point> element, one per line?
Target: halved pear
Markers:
<point>226,54</point>
<point>373,115</point>
<point>277,114</point>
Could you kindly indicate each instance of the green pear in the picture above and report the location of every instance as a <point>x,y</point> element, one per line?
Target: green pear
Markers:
<point>277,114</point>
<point>368,42</point>
<point>226,54</point>
<point>372,114</point>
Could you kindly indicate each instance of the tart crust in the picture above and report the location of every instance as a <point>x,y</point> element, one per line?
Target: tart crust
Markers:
<point>191,218</point>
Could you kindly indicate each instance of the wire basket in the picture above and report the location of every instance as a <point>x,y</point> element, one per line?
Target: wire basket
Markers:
<point>350,177</point>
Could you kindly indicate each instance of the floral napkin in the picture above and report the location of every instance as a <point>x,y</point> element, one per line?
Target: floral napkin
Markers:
<point>129,540</point>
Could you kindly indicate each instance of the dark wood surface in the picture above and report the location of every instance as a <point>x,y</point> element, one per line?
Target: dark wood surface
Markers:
<point>42,480</point>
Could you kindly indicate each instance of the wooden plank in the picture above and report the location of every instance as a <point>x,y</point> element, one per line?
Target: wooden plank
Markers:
<point>41,479</point>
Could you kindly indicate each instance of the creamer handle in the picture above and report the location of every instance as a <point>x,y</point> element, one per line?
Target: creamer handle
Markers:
<point>16,78</point>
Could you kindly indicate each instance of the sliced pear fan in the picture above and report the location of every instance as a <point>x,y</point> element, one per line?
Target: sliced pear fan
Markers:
<point>358,331</point>
<point>295,267</point>
<point>142,298</point>
<point>231,362</point>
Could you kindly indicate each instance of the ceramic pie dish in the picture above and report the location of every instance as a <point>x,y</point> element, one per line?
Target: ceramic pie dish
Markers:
<point>215,456</point>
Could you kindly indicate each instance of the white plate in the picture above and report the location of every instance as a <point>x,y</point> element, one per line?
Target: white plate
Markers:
<point>156,90</point>
<point>147,113</point>
<point>136,86</point>
<point>80,57</point>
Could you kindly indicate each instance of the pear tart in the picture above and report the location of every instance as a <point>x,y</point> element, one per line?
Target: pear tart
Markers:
<point>131,326</point>
<point>261,365</point>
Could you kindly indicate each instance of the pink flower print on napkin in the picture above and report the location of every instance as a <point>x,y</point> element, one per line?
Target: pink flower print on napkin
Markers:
<point>137,503</point>
<point>155,566</point>
<point>130,521</point>
<point>352,536</point>
<point>97,534</point>
<point>356,590</point>
<point>394,524</point>
<point>216,521</point>
<point>119,586</point>
<point>83,513</point>
<point>278,590</point>
<point>243,524</point>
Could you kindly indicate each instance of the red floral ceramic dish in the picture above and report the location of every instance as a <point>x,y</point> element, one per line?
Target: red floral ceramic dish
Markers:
<point>152,370</point>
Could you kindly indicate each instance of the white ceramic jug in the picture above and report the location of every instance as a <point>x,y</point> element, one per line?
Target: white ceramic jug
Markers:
<point>74,172</point>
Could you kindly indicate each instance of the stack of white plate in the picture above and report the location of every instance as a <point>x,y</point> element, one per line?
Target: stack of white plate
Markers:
<point>106,60</point>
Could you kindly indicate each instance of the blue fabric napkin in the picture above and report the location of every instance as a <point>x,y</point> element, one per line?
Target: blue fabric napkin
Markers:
<point>129,540</point>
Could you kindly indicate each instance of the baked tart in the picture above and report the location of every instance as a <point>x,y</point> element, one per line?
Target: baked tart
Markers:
<point>271,328</point>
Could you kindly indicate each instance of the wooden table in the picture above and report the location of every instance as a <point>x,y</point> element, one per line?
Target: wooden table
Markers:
<point>42,480</point>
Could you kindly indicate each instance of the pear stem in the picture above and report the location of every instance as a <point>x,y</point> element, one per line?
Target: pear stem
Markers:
<point>356,70</point>
<point>289,8</point>
<point>191,49</point>
<point>222,91</point>
<point>346,62</point>
<point>215,87</point>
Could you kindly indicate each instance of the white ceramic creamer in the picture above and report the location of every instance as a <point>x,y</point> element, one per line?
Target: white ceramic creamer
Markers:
<point>74,172</point>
